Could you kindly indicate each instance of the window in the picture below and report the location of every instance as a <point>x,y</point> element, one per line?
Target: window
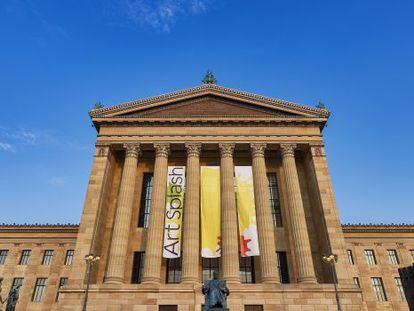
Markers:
<point>3,255</point>
<point>209,266</point>
<point>173,270</point>
<point>253,308</point>
<point>39,289</point>
<point>168,308</point>
<point>400,288</point>
<point>356,281</point>
<point>69,257</point>
<point>378,287</point>
<point>62,282</point>
<point>247,270</point>
<point>282,266</point>
<point>412,253</point>
<point>138,267</point>
<point>392,256</point>
<point>17,282</point>
<point>47,257</point>
<point>24,259</point>
<point>274,200</point>
<point>145,206</point>
<point>350,257</point>
<point>370,256</point>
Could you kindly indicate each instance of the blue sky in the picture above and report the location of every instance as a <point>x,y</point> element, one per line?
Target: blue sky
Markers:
<point>58,58</point>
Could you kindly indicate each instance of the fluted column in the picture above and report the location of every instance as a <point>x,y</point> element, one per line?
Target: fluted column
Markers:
<point>229,237</point>
<point>264,215</point>
<point>303,253</point>
<point>119,245</point>
<point>153,252</point>
<point>191,234</point>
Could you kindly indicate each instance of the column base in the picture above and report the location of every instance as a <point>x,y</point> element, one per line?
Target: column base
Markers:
<point>270,280</point>
<point>307,280</point>
<point>232,279</point>
<point>113,280</point>
<point>151,281</point>
<point>190,280</point>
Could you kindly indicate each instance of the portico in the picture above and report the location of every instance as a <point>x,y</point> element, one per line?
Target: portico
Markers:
<point>206,126</point>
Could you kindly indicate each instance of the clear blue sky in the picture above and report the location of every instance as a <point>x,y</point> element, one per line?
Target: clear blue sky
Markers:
<point>57,58</point>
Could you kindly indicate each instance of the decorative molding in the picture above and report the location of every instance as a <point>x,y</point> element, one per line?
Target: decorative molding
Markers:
<point>288,150</point>
<point>226,149</point>
<point>211,89</point>
<point>193,149</point>
<point>132,150</point>
<point>162,149</point>
<point>258,149</point>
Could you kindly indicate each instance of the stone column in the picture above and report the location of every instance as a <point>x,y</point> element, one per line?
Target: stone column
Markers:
<point>265,227</point>
<point>229,236</point>
<point>119,246</point>
<point>153,252</point>
<point>191,227</point>
<point>331,234</point>
<point>98,188</point>
<point>303,253</point>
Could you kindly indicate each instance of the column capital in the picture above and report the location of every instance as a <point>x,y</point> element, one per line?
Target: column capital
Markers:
<point>258,149</point>
<point>132,150</point>
<point>193,149</point>
<point>226,149</point>
<point>162,149</point>
<point>288,150</point>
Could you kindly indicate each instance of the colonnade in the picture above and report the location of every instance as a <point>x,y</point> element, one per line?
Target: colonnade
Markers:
<point>191,224</point>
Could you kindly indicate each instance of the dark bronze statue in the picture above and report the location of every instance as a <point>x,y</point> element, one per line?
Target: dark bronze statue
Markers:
<point>1,298</point>
<point>215,292</point>
<point>13,298</point>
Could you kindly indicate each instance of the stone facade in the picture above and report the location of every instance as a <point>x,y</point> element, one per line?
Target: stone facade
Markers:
<point>207,125</point>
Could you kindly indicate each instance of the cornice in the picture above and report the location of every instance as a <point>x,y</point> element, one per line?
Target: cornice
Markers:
<point>207,121</point>
<point>41,228</point>
<point>211,89</point>
<point>378,228</point>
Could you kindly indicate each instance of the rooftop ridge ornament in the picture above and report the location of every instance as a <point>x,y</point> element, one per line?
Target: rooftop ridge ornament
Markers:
<point>209,78</point>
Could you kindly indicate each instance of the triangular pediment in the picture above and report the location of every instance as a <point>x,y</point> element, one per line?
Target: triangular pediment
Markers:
<point>208,101</point>
<point>207,107</point>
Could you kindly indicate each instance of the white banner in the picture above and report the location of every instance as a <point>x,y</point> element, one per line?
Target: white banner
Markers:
<point>174,204</point>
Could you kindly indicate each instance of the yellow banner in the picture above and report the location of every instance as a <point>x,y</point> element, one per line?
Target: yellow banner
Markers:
<point>210,212</point>
<point>246,211</point>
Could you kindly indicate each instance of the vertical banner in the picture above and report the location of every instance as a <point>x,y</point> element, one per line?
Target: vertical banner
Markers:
<point>246,212</point>
<point>210,212</point>
<point>173,212</point>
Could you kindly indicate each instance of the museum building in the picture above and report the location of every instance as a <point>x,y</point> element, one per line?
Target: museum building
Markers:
<point>202,180</point>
